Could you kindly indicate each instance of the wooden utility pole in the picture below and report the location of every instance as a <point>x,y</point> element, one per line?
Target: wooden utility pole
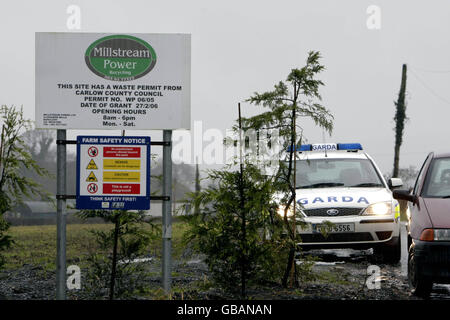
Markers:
<point>400,117</point>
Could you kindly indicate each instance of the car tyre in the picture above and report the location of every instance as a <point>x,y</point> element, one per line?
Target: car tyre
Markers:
<point>420,285</point>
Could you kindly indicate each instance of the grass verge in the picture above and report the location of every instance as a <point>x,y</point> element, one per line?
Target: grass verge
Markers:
<point>36,245</point>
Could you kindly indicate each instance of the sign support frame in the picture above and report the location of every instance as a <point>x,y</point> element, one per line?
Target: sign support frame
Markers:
<point>61,213</point>
<point>61,197</point>
<point>167,211</point>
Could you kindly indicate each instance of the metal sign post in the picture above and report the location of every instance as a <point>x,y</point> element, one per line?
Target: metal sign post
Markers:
<point>167,211</point>
<point>61,216</point>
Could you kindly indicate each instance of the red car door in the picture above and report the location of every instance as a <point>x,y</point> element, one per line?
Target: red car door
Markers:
<point>419,218</point>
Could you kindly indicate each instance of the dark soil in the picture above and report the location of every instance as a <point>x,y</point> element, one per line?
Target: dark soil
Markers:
<point>337,276</point>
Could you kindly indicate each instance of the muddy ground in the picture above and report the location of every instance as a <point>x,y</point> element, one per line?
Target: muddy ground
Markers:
<point>339,274</point>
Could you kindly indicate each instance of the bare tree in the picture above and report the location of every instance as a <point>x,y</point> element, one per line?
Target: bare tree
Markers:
<point>40,143</point>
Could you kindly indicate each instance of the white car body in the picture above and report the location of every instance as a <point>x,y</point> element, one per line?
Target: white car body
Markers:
<point>344,207</point>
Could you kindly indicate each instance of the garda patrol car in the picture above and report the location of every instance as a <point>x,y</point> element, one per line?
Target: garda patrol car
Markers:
<point>341,184</point>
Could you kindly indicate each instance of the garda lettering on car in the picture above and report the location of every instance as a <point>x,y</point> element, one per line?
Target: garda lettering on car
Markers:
<point>332,199</point>
<point>324,147</point>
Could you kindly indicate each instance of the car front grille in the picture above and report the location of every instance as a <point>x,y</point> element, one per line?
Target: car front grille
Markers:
<point>337,237</point>
<point>383,235</point>
<point>323,212</point>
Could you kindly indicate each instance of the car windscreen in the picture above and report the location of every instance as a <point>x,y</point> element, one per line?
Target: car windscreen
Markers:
<point>325,173</point>
<point>437,183</point>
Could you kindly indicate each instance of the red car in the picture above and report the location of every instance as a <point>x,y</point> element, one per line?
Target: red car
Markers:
<point>429,225</point>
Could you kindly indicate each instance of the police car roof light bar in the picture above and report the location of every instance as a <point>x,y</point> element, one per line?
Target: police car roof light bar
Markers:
<point>340,146</point>
<point>305,147</point>
<point>349,146</point>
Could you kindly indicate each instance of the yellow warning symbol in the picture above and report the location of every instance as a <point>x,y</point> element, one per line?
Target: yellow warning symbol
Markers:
<point>92,177</point>
<point>92,165</point>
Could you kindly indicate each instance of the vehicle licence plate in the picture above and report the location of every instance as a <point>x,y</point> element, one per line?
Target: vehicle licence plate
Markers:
<point>336,228</point>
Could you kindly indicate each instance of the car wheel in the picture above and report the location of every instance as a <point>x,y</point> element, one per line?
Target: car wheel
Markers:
<point>390,253</point>
<point>420,285</point>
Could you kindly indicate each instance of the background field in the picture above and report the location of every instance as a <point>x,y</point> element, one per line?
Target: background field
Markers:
<point>36,245</point>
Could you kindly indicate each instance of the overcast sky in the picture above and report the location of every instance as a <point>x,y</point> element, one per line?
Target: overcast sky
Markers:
<point>239,47</point>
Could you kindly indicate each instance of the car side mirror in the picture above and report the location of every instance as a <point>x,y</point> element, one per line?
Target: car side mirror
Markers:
<point>395,182</point>
<point>404,195</point>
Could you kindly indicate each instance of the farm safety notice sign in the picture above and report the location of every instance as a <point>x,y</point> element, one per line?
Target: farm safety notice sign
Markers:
<point>112,81</point>
<point>113,173</point>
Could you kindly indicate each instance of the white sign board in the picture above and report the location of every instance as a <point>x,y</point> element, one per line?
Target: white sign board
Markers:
<point>113,81</point>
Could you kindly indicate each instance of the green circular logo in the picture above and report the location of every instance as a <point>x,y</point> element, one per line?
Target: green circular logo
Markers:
<point>120,58</point>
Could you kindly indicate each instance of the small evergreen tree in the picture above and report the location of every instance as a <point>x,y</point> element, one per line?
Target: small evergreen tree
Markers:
<point>113,266</point>
<point>215,230</point>
<point>296,98</point>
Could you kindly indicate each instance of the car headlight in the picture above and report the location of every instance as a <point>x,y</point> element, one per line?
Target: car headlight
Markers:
<point>379,209</point>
